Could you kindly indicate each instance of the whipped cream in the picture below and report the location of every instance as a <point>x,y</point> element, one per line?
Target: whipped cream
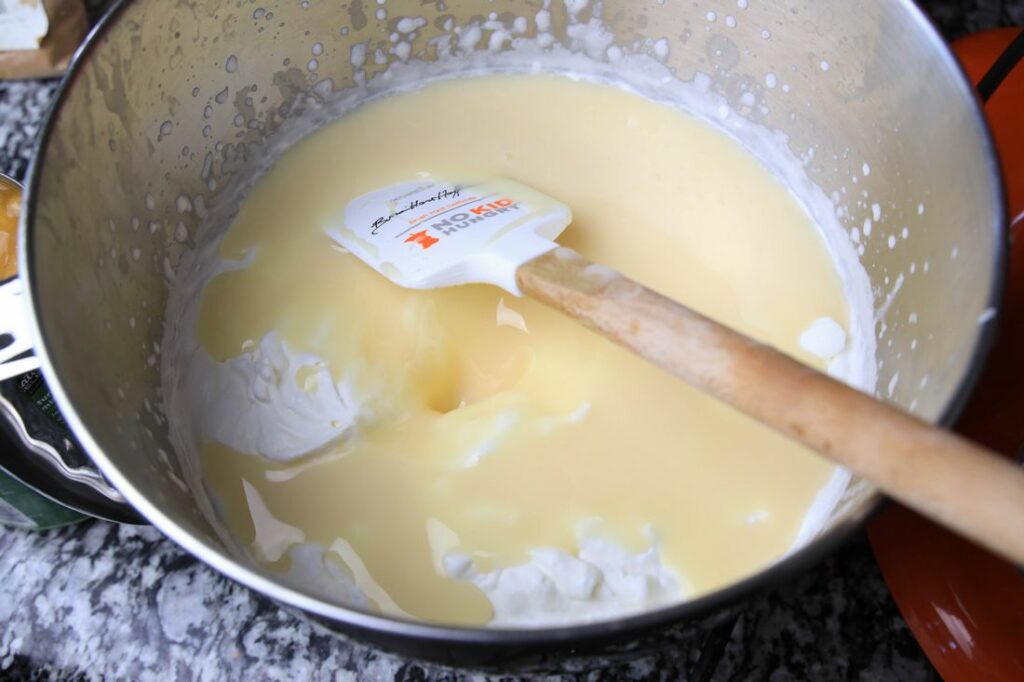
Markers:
<point>270,401</point>
<point>824,338</point>
<point>601,581</point>
<point>553,588</point>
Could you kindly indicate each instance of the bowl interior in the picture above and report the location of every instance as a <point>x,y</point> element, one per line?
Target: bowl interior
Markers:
<point>169,113</point>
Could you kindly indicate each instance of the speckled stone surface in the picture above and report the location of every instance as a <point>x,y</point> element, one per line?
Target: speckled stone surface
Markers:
<point>104,601</point>
<point>22,107</point>
<point>100,601</point>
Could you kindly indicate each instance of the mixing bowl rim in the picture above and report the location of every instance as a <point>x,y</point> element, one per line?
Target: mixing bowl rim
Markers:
<point>576,633</point>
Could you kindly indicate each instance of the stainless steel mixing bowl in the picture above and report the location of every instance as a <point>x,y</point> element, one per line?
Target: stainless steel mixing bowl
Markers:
<point>168,101</point>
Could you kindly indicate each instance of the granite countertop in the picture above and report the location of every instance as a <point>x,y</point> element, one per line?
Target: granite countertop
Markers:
<point>98,600</point>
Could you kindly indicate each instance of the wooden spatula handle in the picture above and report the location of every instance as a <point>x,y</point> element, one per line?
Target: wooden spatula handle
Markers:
<point>953,481</point>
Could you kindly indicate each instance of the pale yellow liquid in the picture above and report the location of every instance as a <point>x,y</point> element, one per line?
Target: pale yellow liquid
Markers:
<point>662,197</point>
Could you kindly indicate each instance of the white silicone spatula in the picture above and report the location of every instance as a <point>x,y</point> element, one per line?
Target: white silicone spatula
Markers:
<point>428,234</point>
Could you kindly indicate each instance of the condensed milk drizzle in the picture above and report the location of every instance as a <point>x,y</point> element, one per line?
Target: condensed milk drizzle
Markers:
<point>466,432</point>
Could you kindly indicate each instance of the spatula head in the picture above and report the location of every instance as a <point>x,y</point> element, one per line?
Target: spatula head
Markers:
<point>427,233</point>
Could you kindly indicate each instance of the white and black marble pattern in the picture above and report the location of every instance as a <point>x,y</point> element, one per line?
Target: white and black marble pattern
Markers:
<point>101,601</point>
<point>23,105</point>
